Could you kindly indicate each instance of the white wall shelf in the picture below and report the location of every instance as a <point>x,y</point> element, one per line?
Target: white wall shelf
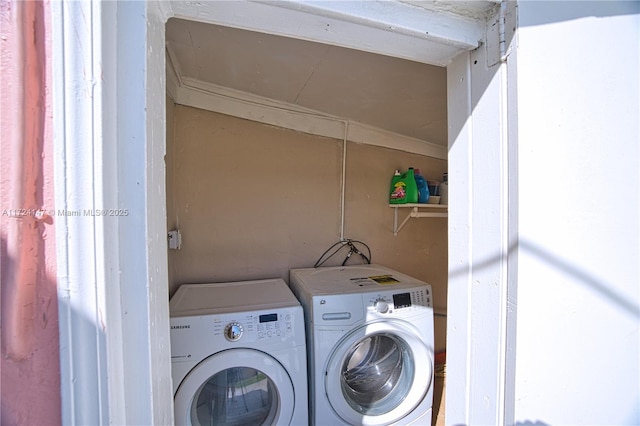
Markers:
<point>428,210</point>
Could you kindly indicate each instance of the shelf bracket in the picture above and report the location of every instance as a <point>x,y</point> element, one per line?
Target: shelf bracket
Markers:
<point>414,212</point>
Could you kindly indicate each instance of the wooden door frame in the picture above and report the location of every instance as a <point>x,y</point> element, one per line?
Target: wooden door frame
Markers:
<point>109,102</point>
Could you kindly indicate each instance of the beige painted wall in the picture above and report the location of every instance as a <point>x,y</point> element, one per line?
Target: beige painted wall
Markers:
<point>253,201</point>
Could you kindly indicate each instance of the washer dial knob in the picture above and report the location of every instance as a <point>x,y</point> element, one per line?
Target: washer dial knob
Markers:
<point>233,331</point>
<point>381,305</point>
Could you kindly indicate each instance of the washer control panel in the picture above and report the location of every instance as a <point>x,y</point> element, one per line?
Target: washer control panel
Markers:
<point>253,327</point>
<point>388,302</point>
<point>381,305</point>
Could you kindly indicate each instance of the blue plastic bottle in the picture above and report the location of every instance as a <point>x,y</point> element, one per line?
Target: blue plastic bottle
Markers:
<point>423,188</point>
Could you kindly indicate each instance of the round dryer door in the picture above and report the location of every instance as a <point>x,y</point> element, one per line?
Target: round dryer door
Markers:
<point>235,387</point>
<point>378,374</point>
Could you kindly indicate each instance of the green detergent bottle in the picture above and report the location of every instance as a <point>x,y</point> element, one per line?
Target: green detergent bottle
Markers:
<point>403,188</point>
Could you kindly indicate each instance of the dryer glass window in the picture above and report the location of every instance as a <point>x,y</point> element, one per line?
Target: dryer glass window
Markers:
<point>236,396</point>
<point>377,374</point>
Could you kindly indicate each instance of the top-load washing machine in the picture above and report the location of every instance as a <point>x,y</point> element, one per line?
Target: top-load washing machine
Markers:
<point>238,354</point>
<point>370,345</point>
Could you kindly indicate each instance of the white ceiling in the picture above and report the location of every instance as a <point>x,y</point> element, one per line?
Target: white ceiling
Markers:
<point>403,96</point>
<point>394,94</point>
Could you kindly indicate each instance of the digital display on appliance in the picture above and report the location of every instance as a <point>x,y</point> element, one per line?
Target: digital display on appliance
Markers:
<point>269,318</point>
<point>402,300</point>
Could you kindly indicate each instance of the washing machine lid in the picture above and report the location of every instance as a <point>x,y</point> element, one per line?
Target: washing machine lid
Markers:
<point>236,387</point>
<point>352,279</point>
<point>378,374</point>
<point>242,296</point>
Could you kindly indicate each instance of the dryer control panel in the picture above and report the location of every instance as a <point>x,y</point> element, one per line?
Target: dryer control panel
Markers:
<point>253,327</point>
<point>195,338</point>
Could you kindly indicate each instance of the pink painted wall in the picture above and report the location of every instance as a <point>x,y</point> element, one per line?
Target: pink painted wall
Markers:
<point>30,364</point>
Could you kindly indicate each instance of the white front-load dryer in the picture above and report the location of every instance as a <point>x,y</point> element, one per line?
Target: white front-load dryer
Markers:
<point>238,354</point>
<point>370,345</point>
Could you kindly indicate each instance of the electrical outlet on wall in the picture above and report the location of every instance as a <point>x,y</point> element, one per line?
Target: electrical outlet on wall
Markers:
<point>175,239</point>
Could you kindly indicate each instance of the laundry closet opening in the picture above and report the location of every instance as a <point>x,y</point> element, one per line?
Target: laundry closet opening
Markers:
<point>259,179</point>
